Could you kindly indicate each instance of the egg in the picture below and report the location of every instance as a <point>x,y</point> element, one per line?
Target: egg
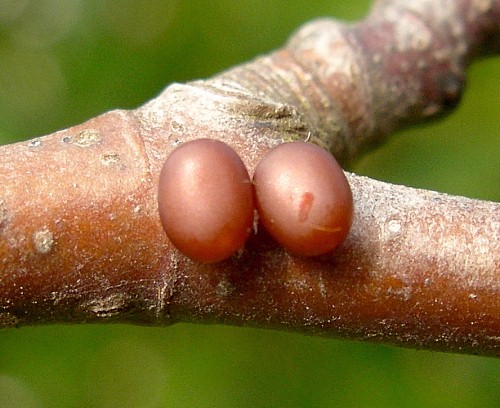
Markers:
<point>205,200</point>
<point>303,198</point>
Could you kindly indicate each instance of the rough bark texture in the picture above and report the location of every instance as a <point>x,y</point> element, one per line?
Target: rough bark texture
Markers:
<point>81,240</point>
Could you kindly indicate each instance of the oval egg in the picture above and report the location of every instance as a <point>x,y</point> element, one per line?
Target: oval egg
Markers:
<point>205,200</point>
<point>303,198</point>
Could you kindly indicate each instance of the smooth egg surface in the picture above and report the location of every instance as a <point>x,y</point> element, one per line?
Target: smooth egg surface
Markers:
<point>205,200</point>
<point>303,198</point>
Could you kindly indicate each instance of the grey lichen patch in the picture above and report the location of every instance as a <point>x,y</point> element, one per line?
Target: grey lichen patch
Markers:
<point>269,114</point>
<point>108,306</point>
<point>110,159</point>
<point>177,127</point>
<point>84,138</point>
<point>87,138</point>
<point>43,240</point>
<point>8,320</point>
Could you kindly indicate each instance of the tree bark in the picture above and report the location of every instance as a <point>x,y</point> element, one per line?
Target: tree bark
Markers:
<point>81,239</point>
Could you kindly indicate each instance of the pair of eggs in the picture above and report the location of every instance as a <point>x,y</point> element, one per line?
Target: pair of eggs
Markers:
<point>207,199</point>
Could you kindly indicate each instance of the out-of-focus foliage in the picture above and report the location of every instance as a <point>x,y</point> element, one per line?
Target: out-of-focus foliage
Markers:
<point>62,62</point>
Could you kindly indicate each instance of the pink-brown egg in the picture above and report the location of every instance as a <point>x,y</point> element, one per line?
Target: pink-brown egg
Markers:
<point>205,200</point>
<point>303,198</point>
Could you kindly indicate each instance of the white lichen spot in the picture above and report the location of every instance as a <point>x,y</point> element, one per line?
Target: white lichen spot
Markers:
<point>404,292</point>
<point>224,288</point>
<point>472,296</point>
<point>110,159</point>
<point>56,297</point>
<point>322,287</point>
<point>137,209</point>
<point>394,226</point>
<point>431,109</point>
<point>255,223</point>
<point>87,137</point>
<point>108,306</point>
<point>3,214</point>
<point>35,143</point>
<point>43,240</point>
<point>413,35</point>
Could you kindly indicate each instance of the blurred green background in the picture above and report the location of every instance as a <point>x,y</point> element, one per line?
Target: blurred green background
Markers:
<point>62,62</point>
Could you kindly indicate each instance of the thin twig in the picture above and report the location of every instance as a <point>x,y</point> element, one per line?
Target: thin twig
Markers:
<point>81,240</point>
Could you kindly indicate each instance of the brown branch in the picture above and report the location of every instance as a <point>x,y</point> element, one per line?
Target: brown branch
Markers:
<point>81,240</point>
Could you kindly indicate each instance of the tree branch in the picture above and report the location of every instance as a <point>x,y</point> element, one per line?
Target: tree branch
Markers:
<point>81,239</point>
